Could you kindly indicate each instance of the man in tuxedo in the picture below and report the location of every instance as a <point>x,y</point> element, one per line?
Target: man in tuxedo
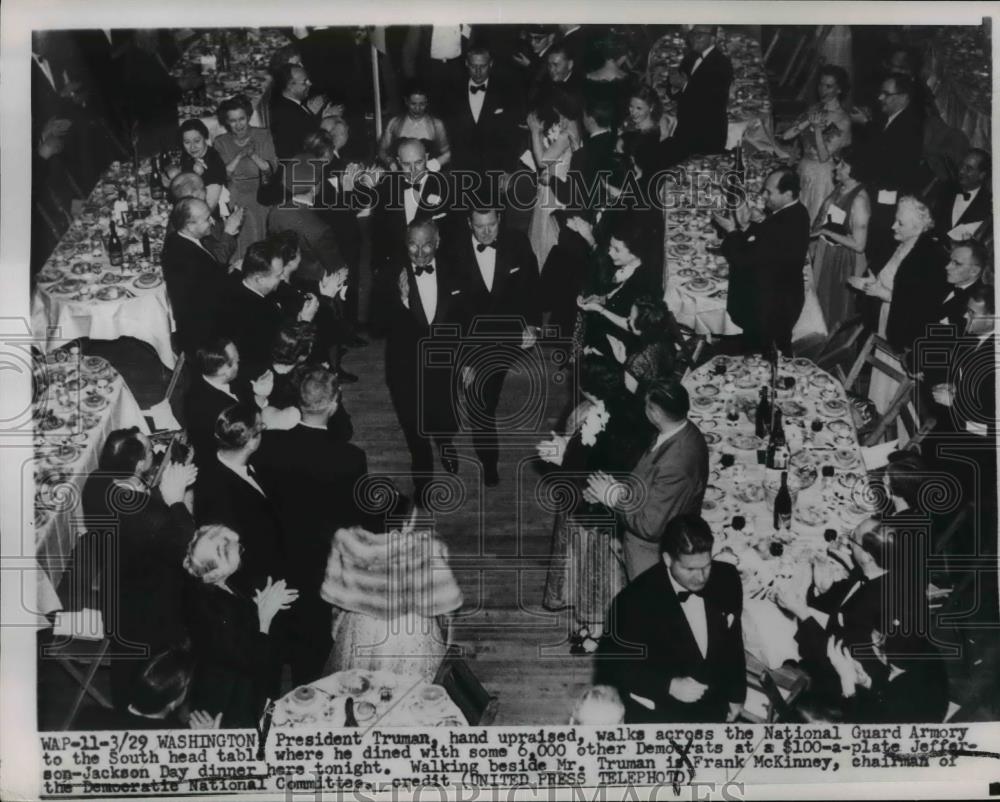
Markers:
<point>889,164</point>
<point>214,390</point>
<point>500,274</point>
<point>312,476</point>
<point>420,307</point>
<point>766,259</point>
<point>573,39</point>
<point>701,88</point>
<point>413,195</point>
<point>251,315</point>
<point>964,272</point>
<point>530,61</point>
<point>672,474</point>
<point>967,204</point>
<point>561,74</point>
<point>196,281</point>
<point>292,119</point>
<point>228,492</point>
<point>673,645</point>
<point>221,240</point>
<point>483,124</point>
<point>594,159</point>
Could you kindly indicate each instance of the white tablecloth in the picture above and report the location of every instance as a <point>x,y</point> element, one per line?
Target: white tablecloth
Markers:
<point>766,558</point>
<point>381,699</point>
<point>59,476</point>
<point>80,294</point>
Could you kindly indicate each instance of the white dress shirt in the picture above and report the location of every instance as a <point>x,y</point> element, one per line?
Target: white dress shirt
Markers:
<point>411,200</point>
<point>893,117</point>
<point>476,99</point>
<point>694,612</point>
<point>427,288</point>
<point>487,260</point>
<point>668,434</point>
<point>701,58</point>
<point>961,204</point>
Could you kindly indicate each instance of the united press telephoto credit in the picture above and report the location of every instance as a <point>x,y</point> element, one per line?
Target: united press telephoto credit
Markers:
<point>493,400</point>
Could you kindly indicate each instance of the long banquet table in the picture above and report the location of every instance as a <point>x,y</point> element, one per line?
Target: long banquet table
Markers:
<point>381,698</point>
<point>826,509</point>
<point>80,294</point>
<point>79,401</point>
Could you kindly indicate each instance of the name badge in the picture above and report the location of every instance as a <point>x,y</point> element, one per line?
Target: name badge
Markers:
<point>836,215</point>
<point>887,197</point>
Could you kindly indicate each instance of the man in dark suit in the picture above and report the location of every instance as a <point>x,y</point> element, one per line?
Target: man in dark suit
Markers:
<point>227,492</point>
<point>968,201</point>
<point>413,195</point>
<point>420,307</point>
<point>561,74</point>
<point>766,261</point>
<point>500,274</point>
<point>196,282</point>
<point>529,60</point>
<point>674,642</point>
<point>483,122</point>
<point>672,474</point>
<point>964,272</point>
<point>889,163</point>
<point>139,586</point>
<point>312,476</point>
<point>292,119</point>
<point>211,392</point>
<point>701,88</point>
<point>250,314</point>
<point>221,240</point>
<point>596,157</point>
<point>573,39</point>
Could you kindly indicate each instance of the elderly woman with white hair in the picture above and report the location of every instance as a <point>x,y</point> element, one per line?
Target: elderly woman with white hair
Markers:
<point>911,287</point>
<point>230,632</point>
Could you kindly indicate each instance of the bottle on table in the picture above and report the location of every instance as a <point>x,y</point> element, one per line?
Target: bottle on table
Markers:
<point>739,165</point>
<point>116,253</point>
<point>119,209</point>
<point>777,447</point>
<point>147,249</point>
<point>762,417</point>
<point>155,180</point>
<point>783,505</point>
<point>350,720</point>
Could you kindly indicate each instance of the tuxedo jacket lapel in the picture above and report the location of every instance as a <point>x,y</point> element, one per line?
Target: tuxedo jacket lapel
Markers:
<point>416,304</point>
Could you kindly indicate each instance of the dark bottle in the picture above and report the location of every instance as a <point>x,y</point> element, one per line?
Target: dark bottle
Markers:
<point>349,719</point>
<point>147,250</point>
<point>116,253</point>
<point>223,60</point>
<point>762,417</point>
<point>783,505</point>
<point>155,181</point>
<point>739,165</point>
<point>777,451</point>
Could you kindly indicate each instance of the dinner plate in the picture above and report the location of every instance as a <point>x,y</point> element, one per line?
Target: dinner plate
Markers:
<point>746,381</point>
<point>49,275</point>
<point>839,427</point>
<point>680,238</point>
<point>147,281</point>
<point>801,365</point>
<point>720,271</point>
<point>743,442</point>
<point>94,401</point>
<point>113,293</point>
<point>712,510</point>
<point>700,286</point>
<point>714,493</point>
<point>68,286</point>
<point>50,422</point>
<point>709,390</point>
<point>793,409</point>
<point>353,682</point>
<point>749,492</point>
<point>687,272</point>
<point>849,480</point>
<point>711,438</point>
<point>703,402</point>
<point>680,249</point>
<point>834,406</point>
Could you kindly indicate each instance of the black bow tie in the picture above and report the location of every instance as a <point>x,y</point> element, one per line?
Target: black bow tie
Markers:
<point>411,185</point>
<point>966,196</point>
<point>474,88</point>
<point>482,246</point>
<point>684,595</point>
<point>418,271</point>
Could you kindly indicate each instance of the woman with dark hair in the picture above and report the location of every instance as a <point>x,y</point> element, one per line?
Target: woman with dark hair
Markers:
<point>230,632</point>
<point>287,54</point>
<point>127,562</point>
<point>198,156</point>
<point>655,352</point>
<point>416,123</point>
<point>841,232</point>
<point>822,131</point>
<point>605,313</point>
<point>250,160</point>
<point>643,128</point>
<point>555,134</point>
<point>607,431</point>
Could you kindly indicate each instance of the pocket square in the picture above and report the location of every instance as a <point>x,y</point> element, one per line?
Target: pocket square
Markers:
<point>751,239</point>
<point>456,292</point>
<point>729,620</point>
<point>438,216</point>
<point>515,270</point>
<point>498,111</point>
<point>434,199</point>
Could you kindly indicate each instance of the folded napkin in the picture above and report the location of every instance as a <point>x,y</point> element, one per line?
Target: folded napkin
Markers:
<point>876,457</point>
